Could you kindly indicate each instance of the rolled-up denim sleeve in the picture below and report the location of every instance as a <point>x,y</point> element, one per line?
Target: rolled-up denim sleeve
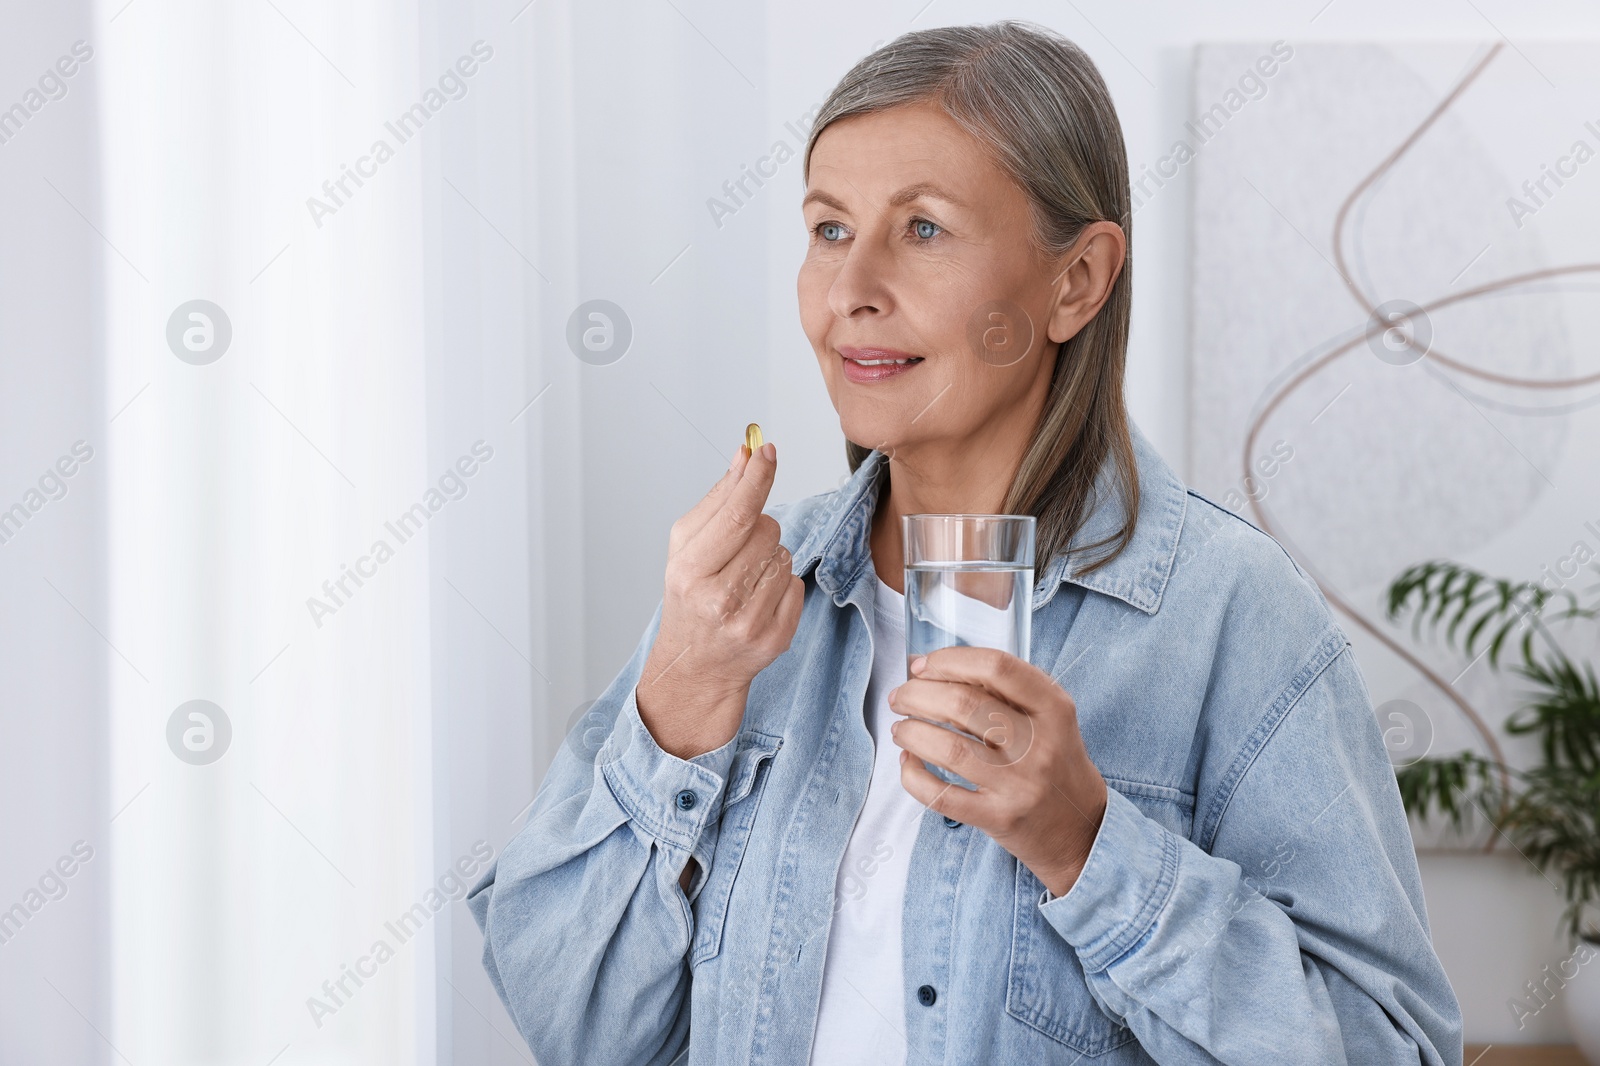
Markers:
<point>586,930</point>
<point>1297,933</point>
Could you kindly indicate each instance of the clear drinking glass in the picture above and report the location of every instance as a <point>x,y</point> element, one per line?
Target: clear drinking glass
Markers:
<point>969,581</point>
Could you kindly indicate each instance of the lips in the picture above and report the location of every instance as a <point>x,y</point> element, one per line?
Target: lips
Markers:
<point>867,365</point>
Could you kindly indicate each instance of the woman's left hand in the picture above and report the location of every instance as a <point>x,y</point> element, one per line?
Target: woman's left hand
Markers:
<point>1039,796</point>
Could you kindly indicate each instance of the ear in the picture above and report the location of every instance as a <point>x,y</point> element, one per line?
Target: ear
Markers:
<point>1086,275</point>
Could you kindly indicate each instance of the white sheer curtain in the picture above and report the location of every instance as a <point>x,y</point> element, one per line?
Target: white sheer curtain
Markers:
<point>238,488</point>
<point>390,365</point>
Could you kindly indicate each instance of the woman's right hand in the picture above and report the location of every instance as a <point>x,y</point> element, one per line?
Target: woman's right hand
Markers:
<point>731,606</point>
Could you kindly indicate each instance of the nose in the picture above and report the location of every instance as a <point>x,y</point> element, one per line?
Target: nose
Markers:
<point>861,287</point>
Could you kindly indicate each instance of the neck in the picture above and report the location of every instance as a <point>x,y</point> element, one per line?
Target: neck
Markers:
<point>966,476</point>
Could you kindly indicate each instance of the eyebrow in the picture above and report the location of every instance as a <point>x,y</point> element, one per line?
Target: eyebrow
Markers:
<point>904,196</point>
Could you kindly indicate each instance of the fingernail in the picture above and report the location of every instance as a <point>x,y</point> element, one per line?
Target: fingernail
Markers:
<point>738,453</point>
<point>918,664</point>
<point>770,450</point>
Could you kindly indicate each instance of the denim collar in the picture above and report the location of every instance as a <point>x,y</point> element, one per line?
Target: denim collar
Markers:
<point>831,533</point>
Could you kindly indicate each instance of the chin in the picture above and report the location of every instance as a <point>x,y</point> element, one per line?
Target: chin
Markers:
<point>865,431</point>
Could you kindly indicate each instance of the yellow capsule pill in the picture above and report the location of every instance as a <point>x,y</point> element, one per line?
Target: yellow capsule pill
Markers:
<point>752,437</point>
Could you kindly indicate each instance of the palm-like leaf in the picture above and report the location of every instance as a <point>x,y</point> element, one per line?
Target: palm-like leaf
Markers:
<point>1565,714</point>
<point>1553,816</point>
<point>1452,595</point>
<point>1555,822</point>
<point>1451,787</point>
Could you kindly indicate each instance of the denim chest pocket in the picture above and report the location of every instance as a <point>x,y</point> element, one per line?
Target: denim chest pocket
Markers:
<point>747,778</point>
<point>1046,988</point>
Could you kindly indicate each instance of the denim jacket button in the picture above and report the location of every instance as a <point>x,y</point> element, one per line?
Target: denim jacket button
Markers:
<point>951,822</point>
<point>926,995</point>
<point>686,800</point>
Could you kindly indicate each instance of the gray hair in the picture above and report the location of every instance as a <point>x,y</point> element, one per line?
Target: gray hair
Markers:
<point>1039,102</point>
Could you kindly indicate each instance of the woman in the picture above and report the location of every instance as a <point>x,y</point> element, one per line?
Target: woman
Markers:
<point>1186,843</point>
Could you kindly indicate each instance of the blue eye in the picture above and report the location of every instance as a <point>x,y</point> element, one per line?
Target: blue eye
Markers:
<point>830,231</point>
<point>925,229</point>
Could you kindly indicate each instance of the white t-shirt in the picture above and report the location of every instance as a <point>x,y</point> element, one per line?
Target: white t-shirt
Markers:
<point>861,1018</point>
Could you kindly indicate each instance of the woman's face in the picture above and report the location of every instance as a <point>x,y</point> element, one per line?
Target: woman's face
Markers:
<point>920,253</point>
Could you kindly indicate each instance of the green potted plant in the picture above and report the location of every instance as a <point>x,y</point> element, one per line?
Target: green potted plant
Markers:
<point>1551,811</point>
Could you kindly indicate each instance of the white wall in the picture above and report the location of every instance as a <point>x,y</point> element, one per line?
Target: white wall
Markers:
<point>54,755</point>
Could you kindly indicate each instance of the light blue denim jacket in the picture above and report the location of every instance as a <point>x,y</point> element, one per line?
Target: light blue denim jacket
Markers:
<point>1252,895</point>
